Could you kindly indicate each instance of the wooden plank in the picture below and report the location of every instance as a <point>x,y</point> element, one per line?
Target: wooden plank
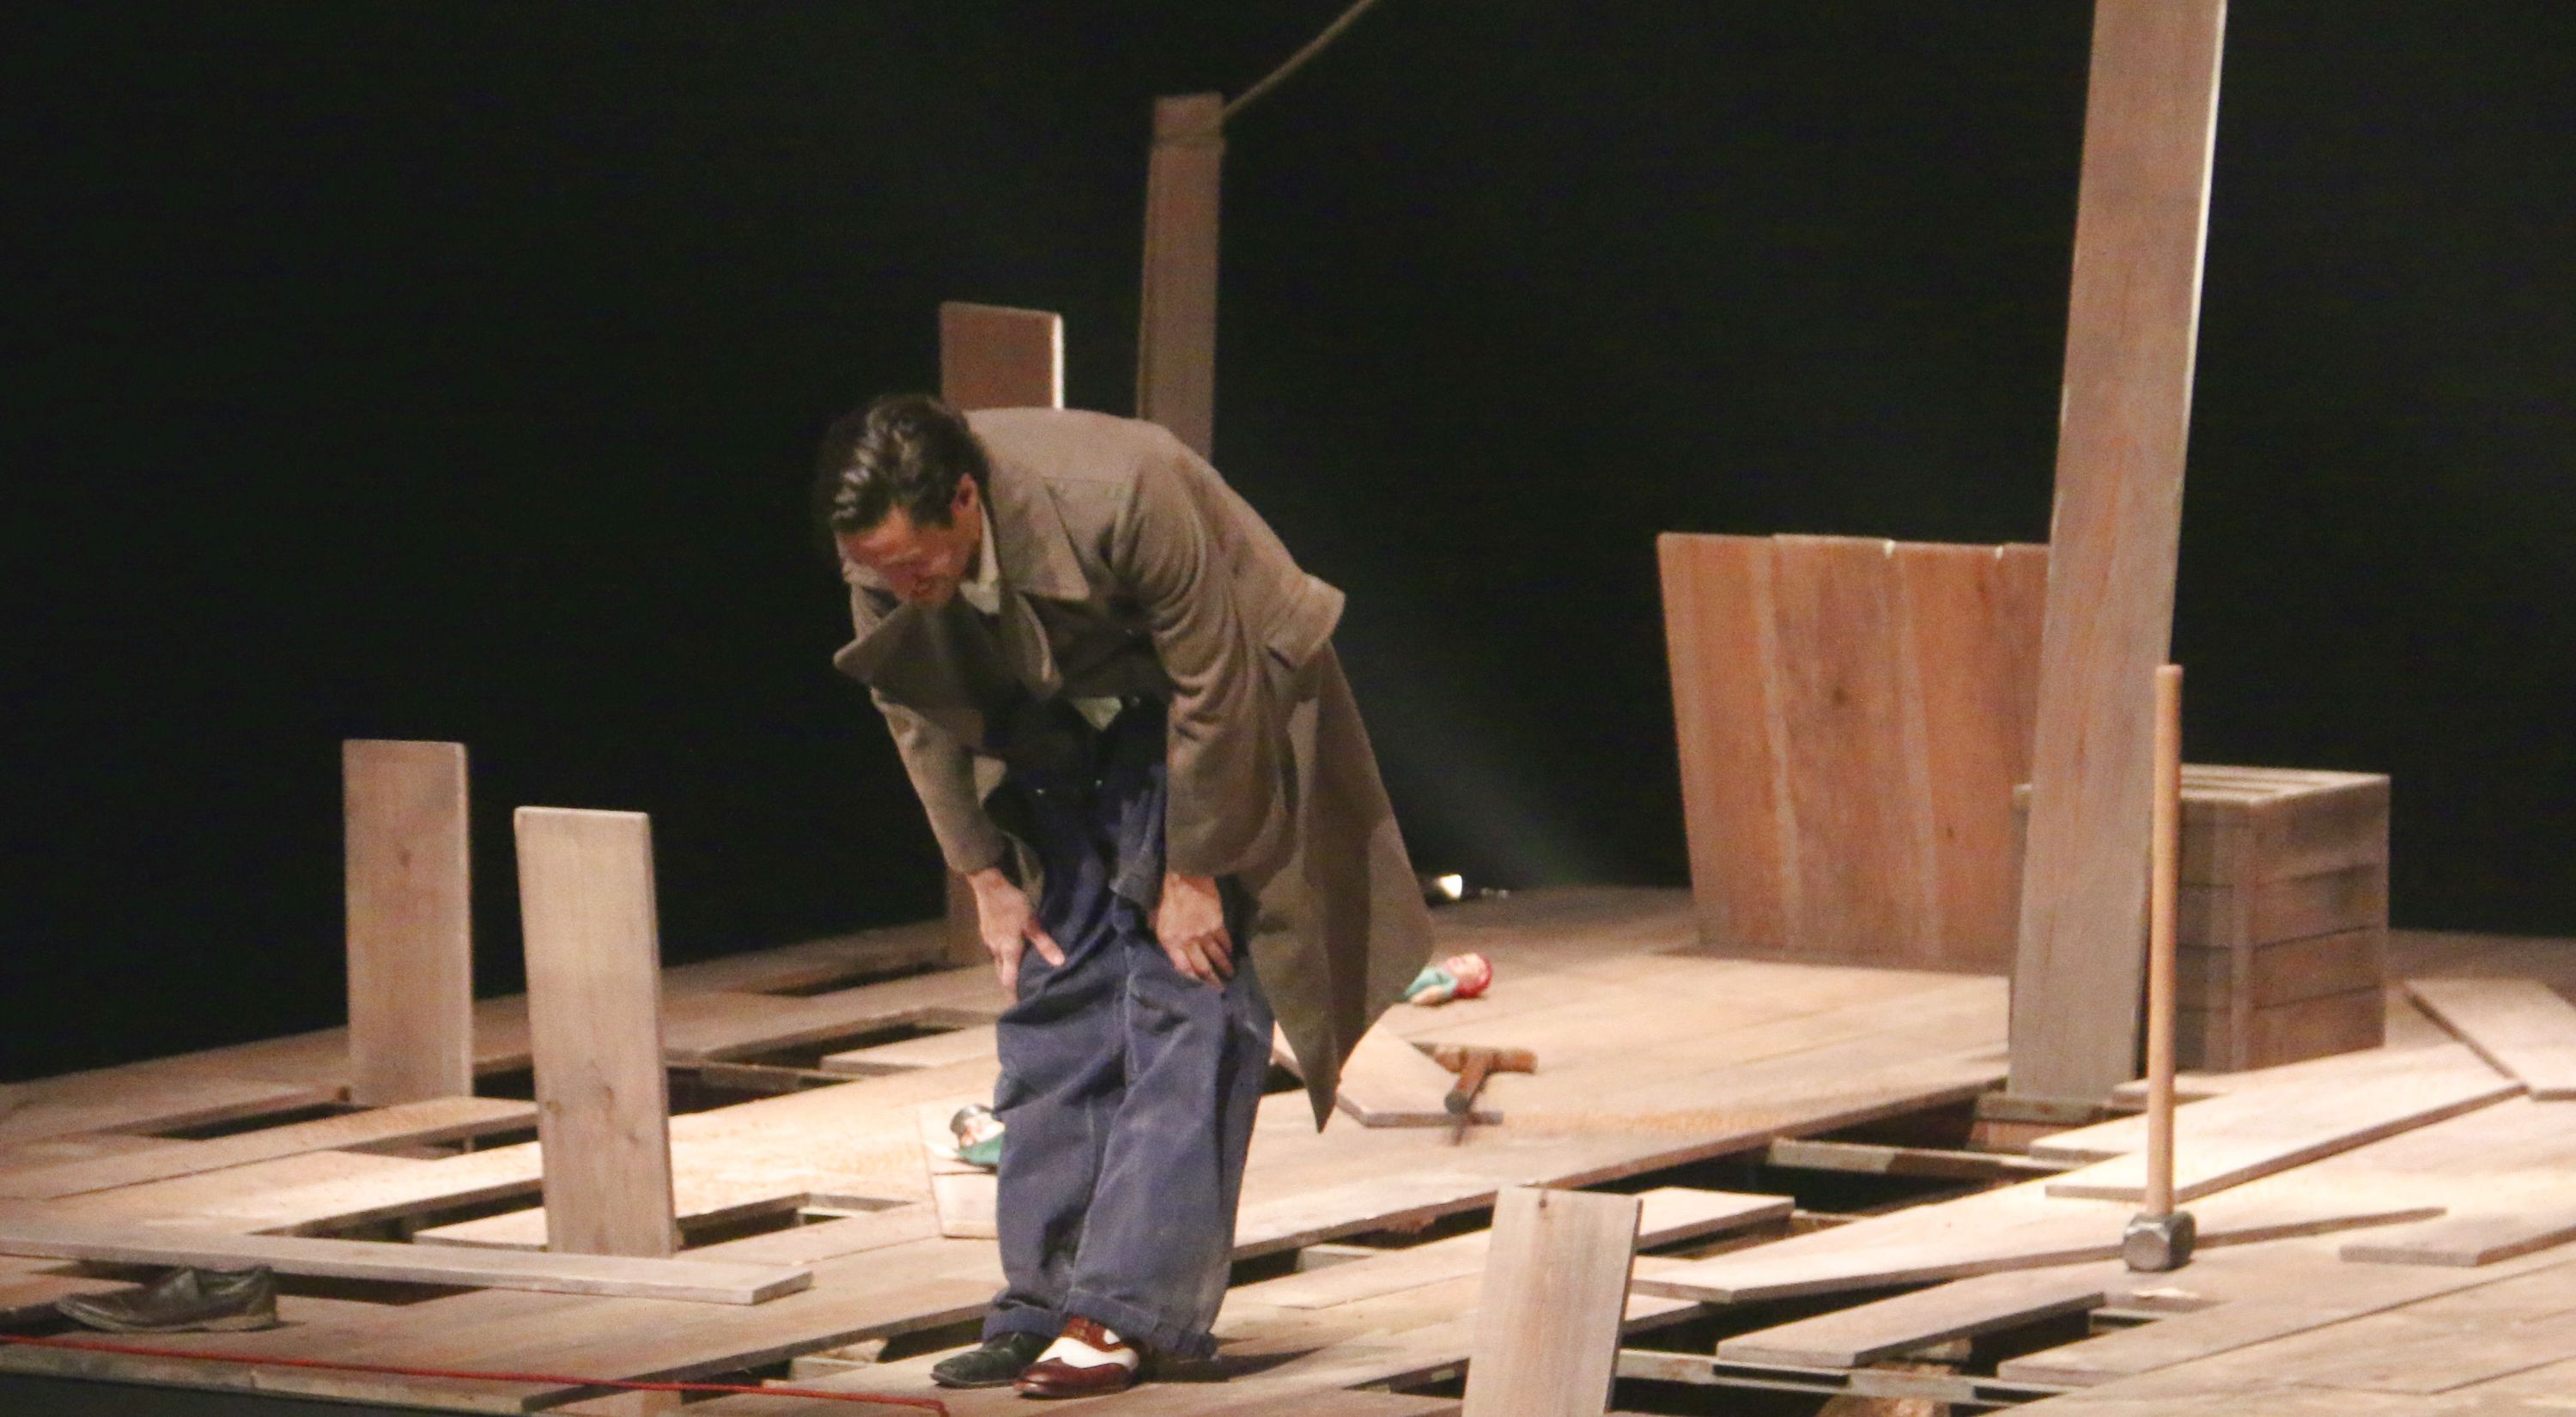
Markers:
<point>1176,324</point>
<point>2244,914</point>
<point>2468,1240</point>
<point>2283,971</point>
<point>994,356</point>
<point>410,921</point>
<point>1667,1215</point>
<point>2272,1034</point>
<point>1719,639</point>
<point>1848,1338</point>
<point>2445,1342</point>
<point>2230,1140</point>
<point>1971,618</point>
<point>931,1050</point>
<point>1547,1322</point>
<point>435,1120</point>
<point>1387,1082</point>
<point>1858,795</point>
<point>604,1107</point>
<point>167,1103</point>
<point>697,1281</point>
<point>2141,222</point>
<point>2524,1027</point>
<point>2017,1227</point>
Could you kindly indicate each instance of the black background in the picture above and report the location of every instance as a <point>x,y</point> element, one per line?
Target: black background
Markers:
<point>452,371</point>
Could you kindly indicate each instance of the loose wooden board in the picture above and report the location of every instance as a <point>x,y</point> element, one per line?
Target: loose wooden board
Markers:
<point>436,1120</point>
<point>1176,319</point>
<point>1848,1338</point>
<point>594,974</point>
<point>2133,317</point>
<point>2468,1240</point>
<point>697,1281</point>
<point>1387,1082</point>
<point>1547,1321</point>
<point>2523,1026</point>
<point>410,921</point>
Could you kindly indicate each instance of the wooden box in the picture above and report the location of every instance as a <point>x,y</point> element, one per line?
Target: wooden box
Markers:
<point>2282,929</point>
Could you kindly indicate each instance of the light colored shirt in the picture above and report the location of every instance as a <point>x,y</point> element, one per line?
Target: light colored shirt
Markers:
<point>983,590</point>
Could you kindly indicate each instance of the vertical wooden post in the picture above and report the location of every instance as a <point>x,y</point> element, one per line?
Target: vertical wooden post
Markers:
<point>1556,1286</point>
<point>993,356</point>
<point>1176,329</point>
<point>410,921</point>
<point>595,1030</point>
<point>2141,225</point>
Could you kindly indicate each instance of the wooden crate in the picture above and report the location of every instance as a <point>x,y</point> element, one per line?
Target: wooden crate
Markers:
<point>2282,929</point>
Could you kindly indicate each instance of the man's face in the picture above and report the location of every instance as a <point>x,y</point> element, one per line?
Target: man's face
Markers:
<point>923,564</point>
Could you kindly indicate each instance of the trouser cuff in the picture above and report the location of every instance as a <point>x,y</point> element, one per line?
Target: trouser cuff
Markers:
<point>1143,1329</point>
<point>1044,1322</point>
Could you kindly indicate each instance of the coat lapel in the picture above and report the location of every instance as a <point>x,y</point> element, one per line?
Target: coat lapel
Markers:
<point>1037,559</point>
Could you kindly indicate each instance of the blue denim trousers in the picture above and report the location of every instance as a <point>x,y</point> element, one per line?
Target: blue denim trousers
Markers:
<point>1128,1089</point>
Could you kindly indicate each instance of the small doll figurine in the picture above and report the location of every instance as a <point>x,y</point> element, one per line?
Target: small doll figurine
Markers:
<point>1457,977</point>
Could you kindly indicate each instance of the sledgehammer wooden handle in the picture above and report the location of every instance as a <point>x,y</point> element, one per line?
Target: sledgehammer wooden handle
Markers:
<point>2165,854</point>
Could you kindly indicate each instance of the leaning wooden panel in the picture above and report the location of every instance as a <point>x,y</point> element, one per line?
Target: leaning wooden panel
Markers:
<point>1176,334</point>
<point>594,1020</point>
<point>1718,633</point>
<point>2522,1026</point>
<point>410,921</point>
<point>2132,324</point>
<point>1971,619</point>
<point>1547,1320</point>
<point>1858,779</point>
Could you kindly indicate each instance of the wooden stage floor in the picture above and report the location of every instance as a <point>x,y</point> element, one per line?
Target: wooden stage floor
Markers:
<point>1700,1080</point>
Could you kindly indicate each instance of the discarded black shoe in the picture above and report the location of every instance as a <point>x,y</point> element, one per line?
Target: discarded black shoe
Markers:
<point>184,1300</point>
<point>997,1362</point>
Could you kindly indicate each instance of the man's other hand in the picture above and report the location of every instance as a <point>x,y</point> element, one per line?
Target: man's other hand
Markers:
<point>1191,925</point>
<point>1009,924</point>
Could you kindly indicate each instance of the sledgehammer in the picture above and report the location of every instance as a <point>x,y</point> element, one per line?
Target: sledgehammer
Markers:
<point>2160,1237</point>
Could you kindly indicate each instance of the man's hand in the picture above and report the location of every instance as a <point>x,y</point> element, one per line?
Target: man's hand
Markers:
<point>1191,925</point>
<point>1009,924</point>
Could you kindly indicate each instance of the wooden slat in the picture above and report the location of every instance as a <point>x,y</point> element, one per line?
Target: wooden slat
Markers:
<point>1667,1215</point>
<point>2523,1026</point>
<point>700,1281</point>
<point>2229,1140</point>
<point>1718,634</point>
<point>1387,1082</point>
<point>2132,320</point>
<point>1176,326</point>
<point>994,356</point>
<point>1848,1338</point>
<point>2468,1240</point>
<point>1547,1322</point>
<point>1971,618</point>
<point>410,921</point>
<point>586,900</point>
<point>436,1120</point>
<point>108,1103</point>
<point>1859,792</point>
<point>2283,971</point>
<point>2240,915</point>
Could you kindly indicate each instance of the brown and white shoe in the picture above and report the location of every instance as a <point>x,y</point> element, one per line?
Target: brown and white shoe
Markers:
<point>1086,1360</point>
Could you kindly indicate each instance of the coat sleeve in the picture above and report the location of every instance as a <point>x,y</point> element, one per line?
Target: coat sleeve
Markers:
<point>1222,760</point>
<point>943,776</point>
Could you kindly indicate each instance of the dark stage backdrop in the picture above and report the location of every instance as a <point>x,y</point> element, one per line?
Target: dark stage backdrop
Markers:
<point>449,371</point>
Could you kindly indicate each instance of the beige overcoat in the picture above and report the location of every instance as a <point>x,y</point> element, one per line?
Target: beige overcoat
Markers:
<point>1129,567</point>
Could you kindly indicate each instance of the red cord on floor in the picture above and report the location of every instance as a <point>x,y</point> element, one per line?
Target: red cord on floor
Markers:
<point>92,1345</point>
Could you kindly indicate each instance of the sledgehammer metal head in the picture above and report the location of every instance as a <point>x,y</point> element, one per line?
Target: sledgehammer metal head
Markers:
<point>2155,1243</point>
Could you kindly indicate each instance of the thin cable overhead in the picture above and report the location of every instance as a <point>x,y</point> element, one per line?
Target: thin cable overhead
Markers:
<point>1296,61</point>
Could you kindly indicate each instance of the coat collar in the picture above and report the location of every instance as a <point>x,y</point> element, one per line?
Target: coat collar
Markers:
<point>1036,558</point>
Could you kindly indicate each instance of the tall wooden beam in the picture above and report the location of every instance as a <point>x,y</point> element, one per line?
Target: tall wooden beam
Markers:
<point>2142,219</point>
<point>595,1030</point>
<point>1176,335</point>
<point>410,921</point>
<point>994,356</point>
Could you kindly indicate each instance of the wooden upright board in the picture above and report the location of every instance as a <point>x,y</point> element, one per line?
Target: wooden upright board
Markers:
<point>2142,218</point>
<point>595,1030</point>
<point>1547,1321</point>
<point>410,921</point>
<point>994,356</point>
<point>1176,335</point>
<point>1853,715</point>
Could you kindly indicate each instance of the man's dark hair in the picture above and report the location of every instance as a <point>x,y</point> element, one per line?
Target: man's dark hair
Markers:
<point>902,450</point>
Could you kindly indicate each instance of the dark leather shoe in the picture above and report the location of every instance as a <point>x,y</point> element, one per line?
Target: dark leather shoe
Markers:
<point>997,1362</point>
<point>184,1300</point>
<point>1059,1376</point>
